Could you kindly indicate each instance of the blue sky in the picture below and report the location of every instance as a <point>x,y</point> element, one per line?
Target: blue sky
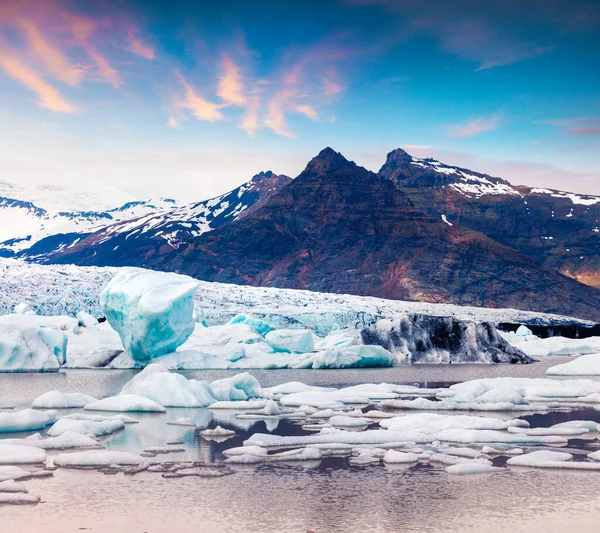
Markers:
<point>189,99</point>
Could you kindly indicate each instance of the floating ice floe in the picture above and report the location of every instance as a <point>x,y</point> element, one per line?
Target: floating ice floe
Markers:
<point>126,403</point>
<point>58,400</point>
<point>397,457</point>
<point>169,389</point>
<point>472,468</point>
<point>65,441</point>
<point>151,311</point>
<point>19,498</point>
<point>183,421</point>
<point>14,454</point>
<point>240,405</point>
<point>96,459</point>
<point>430,422</point>
<point>551,459</point>
<point>89,428</point>
<point>10,485</point>
<point>26,420</point>
<point>586,365</point>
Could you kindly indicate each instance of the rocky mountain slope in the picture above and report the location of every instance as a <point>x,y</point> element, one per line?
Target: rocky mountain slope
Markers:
<point>559,230</point>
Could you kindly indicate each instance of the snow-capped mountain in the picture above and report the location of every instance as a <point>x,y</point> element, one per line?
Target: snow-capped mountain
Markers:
<point>338,228</point>
<point>26,228</point>
<point>559,230</point>
<point>163,231</point>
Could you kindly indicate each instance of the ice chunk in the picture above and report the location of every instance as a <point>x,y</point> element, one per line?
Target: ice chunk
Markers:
<point>586,365</point>
<point>245,450</point>
<point>15,454</point>
<point>524,331</point>
<point>89,428</point>
<point>183,421</point>
<point>93,345</point>
<point>217,432</point>
<point>10,485</point>
<point>21,309</point>
<point>57,400</point>
<point>534,346</point>
<point>151,311</point>
<point>239,387</point>
<point>472,468</point>
<point>260,326</point>
<point>125,403</point>
<point>169,389</point>
<point>96,459</point>
<point>26,420</point>
<point>86,320</point>
<point>396,457</point>
<point>25,347</point>
<point>271,408</point>
<point>348,357</point>
<point>291,340</point>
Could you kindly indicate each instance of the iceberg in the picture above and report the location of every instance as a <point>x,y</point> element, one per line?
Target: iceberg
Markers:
<point>67,440</point>
<point>153,312</point>
<point>169,389</point>
<point>397,457</point>
<point>431,422</point>
<point>435,339</point>
<point>26,420</point>
<point>551,459</point>
<point>126,403</point>
<point>26,347</point>
<point>57,400</point>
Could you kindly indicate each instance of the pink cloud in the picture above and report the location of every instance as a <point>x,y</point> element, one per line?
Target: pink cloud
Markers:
<point>475,126</point>
<point>139,47</point>
<point>197,105</point>
<point>231,84</point>
<point>48,96</point>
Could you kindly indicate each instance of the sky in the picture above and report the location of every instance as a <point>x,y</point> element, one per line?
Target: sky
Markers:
<point>106,101</point>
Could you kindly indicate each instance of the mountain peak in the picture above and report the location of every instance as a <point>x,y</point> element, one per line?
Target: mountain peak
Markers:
<point>264,174</point>
<point>327,160</point>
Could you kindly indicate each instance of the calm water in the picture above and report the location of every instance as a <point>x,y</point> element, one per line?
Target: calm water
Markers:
<point>326,496</point>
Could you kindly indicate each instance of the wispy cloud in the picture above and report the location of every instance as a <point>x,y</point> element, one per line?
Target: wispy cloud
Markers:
<point>53,59</point>
<point>48,96</point>
<point>138,46</point>
<point>576,126</point>
<point>475,126</point>
<point>197,105</point>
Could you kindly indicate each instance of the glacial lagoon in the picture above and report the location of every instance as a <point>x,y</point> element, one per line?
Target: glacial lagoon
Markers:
<point>328,495</point>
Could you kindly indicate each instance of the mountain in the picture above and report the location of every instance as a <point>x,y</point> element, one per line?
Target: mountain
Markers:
<point>558,230</point>
<point>27,230</point>
<point>343,229</point>
<point>141,240</point>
